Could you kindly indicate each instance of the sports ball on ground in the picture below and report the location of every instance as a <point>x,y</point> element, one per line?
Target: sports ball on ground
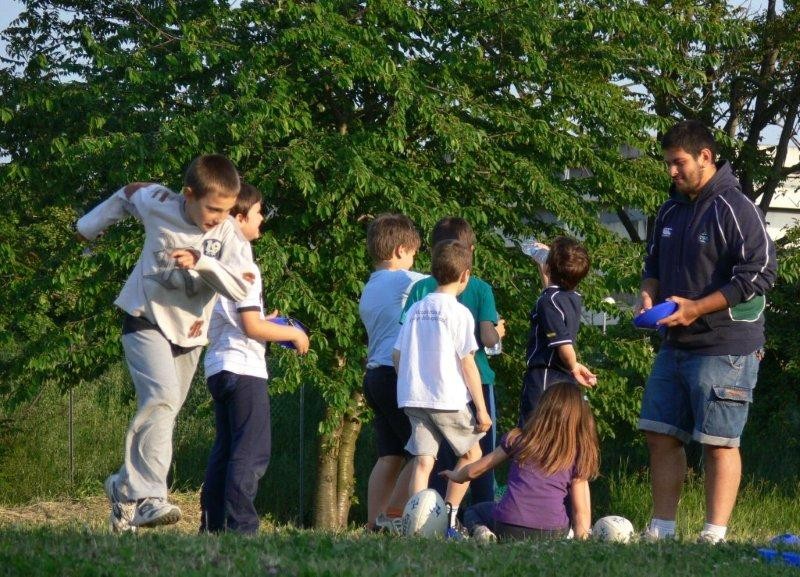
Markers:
<point>613,528</point>
<point>425,515</point>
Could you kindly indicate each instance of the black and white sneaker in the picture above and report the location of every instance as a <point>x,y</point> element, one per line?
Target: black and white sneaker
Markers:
<point>121,517</point>
<point>154,511</point>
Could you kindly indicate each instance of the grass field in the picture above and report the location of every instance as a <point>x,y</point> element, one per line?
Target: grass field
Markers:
<point>51,526</point>
<point>70,537</point>
<point>82,551</point>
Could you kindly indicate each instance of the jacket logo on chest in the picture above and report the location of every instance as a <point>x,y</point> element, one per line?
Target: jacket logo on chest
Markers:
<point>703,237</point>
<point>211,247</point>
<point>666,231</point>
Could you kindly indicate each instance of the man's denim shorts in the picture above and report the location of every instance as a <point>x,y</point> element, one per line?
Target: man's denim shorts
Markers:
<point>705,398</point>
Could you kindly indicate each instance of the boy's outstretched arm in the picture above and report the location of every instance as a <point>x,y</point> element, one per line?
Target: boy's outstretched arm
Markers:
<point>473,382</point>
<point>582,374</point>
<point>478,468</point>
<point>115,208</point>
<point>266,331</point>
<point>581,501</point>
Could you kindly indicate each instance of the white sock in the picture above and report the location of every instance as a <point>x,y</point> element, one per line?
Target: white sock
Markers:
<point>717,531</point>
<point>451,514</point>
<point>662,528</point>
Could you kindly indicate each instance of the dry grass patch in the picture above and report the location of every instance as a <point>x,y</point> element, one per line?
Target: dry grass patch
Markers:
<point>91,513</point>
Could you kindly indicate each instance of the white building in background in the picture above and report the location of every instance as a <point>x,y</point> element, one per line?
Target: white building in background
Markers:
<point>784,210</point>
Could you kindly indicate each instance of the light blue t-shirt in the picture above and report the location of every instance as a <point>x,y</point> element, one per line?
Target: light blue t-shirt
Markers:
<point>380,307</point>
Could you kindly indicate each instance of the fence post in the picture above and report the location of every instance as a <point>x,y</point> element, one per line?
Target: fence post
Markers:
<point>302,452</point>
<point>71,444</point>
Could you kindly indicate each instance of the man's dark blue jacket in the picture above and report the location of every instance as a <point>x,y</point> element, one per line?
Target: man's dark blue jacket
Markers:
<point>718,242</point>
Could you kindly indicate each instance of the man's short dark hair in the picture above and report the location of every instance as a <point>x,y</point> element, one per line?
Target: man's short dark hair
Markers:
<point>449,259</point>
<point>568,262</point>
<point>692,136</point>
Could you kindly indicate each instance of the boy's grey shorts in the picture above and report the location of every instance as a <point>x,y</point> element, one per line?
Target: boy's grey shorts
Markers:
<point>430,426</point>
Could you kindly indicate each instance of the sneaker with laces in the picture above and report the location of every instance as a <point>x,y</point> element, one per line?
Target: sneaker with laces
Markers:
<point>392,525</point>
<point>482,534</point>
<point>457,533</point>
<point>154,511</point>
<point>121,518</point>
<point>652,536</point>
<point>709,538</point>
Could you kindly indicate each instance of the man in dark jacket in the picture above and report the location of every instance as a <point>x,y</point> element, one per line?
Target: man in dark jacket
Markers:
<point>710,254</point>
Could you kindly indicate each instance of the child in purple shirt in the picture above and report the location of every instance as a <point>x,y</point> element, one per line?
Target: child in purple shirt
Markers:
<point>554,455</point>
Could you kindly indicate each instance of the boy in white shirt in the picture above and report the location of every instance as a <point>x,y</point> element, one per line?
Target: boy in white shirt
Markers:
<point>192,251</point>
<point>437,377</point>
<point>236,374</point>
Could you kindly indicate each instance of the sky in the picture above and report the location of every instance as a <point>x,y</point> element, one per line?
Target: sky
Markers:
<point>9,9</point>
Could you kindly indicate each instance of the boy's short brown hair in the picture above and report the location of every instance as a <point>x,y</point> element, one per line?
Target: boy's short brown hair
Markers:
<point>449,259</point>
<point>453,228</point>
<point>389,231</point>
<point>212,173</point>
<point>568,262</point>
<point>248,196</point>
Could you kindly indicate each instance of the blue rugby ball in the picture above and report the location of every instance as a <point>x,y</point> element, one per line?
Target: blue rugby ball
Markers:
<point>290,322</point>
<point>649,318</point>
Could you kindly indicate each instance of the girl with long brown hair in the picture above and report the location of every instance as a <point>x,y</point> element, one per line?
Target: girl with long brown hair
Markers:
<point>554,455</point>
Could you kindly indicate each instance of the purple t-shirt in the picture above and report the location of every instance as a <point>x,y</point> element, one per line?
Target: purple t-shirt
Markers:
<point>533,499</point>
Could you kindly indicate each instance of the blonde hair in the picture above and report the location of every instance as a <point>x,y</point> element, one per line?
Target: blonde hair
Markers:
<point>560,433</point>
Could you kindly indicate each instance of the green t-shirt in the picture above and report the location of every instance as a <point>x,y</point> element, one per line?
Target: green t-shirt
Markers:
<point>479,299</point>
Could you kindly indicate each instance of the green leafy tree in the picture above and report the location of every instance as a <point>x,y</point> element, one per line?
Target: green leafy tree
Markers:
<point>338,111</point>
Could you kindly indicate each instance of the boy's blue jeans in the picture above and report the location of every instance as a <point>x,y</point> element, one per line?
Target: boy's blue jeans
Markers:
<point>240,454</point>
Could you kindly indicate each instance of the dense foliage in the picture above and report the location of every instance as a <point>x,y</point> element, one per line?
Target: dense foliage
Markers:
<point>339,110</point>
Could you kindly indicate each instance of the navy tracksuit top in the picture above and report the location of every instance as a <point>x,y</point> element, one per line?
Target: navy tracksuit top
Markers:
<point>718,242</point>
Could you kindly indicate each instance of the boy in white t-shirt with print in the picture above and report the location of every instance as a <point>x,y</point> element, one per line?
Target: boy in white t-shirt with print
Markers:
<point>236,374</point>
<point>437,377</point>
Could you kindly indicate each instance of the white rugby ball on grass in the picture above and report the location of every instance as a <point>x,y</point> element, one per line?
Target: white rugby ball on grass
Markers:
<point>425,515</point>
<point>613,528</point>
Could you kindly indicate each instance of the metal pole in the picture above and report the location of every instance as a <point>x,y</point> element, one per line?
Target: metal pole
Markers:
<point>302,452</point>
<point>71,444</point>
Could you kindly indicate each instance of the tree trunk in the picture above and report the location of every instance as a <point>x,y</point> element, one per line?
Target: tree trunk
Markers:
<point>336,466</point>
<point>324,515</point>
<point>351,427</point>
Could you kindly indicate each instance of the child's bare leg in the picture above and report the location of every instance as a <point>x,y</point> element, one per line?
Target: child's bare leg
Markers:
<point>400,496</point>
<point>421,467</point>
<point>382,481</point>
<point>456,491</point>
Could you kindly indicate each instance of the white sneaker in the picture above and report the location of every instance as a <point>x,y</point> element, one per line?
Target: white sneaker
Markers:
<point>121,518</point>
<point>394,525</point>
<point>709,538</point>
<point>154,511</point>
<point>482,534</point>
<point>651,535</point>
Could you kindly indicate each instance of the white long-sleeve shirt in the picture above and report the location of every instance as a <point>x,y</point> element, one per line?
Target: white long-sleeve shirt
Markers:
<point>172,298</point>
